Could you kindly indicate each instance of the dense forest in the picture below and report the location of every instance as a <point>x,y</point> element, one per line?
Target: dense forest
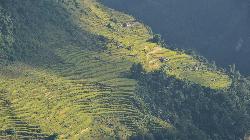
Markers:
<point>6,35</point>
<point>216,29</point>
<point>197,112</point>
<point>76,69</point>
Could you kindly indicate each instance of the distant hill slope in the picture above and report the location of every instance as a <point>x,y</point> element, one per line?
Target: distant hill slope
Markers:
<point>68,74</point>
<point>216,29</point>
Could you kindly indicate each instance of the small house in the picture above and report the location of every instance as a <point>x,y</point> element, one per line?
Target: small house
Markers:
<point>126,24</point>
<point>163,59</point>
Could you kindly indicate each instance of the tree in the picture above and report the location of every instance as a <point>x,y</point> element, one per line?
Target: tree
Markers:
<point>136,71</point>
<point>52,137</point>
<point>156,39</point>
<point>232,68</point>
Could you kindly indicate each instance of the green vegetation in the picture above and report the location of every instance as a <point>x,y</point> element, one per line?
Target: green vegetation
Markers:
<point>197,113</point>
<point>72,87</point>
<point>136,47</point>
<point>70,73</point>
<point>6,35</point>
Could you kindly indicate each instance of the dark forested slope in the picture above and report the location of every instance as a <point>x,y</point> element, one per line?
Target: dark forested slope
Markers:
<point>6,35</point>
<point>197,113</point>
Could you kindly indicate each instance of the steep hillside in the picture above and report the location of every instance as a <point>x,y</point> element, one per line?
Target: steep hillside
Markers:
<point>68,74</point>
<point>216,29</point>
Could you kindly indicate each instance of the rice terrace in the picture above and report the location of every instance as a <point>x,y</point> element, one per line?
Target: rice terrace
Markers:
<point>76,69</point>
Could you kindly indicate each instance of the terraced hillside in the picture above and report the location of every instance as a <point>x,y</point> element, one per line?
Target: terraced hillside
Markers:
<point>70,73</point>
<point>132,39</point>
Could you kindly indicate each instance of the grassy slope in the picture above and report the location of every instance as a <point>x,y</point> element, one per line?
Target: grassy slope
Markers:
<point>74,85</point>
